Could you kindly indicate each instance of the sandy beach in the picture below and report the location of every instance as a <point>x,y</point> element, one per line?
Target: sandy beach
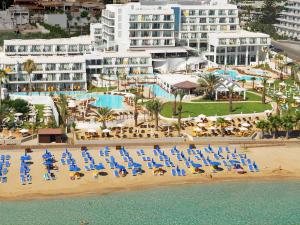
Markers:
<point>275,162</point>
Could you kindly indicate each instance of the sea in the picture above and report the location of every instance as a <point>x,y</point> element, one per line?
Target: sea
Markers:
<point>242,203</point>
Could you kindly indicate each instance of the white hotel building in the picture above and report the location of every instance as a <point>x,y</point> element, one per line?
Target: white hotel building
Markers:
<point>289,23</point>
<point>135,38</point>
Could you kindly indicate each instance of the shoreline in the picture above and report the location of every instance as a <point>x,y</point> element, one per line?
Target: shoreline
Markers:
<point>135,188</point>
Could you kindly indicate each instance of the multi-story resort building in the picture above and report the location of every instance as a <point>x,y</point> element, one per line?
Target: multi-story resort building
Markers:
<point>136,39</point>
<point>289,23</point>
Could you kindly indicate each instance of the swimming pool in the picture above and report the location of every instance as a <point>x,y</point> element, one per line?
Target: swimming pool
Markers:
<point>258,71</point>
<point>110,101</point>
<point>157,91</point>
<point>47,93</point>
<point>235,75</point>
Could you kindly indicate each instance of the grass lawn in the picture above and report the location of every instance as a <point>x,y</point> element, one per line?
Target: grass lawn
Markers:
<point>40,109</point>
<point>249,97</point>
<point>212,109</point>
<point>101,89</point>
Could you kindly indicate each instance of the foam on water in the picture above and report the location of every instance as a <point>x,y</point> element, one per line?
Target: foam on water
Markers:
<point>223,203</point>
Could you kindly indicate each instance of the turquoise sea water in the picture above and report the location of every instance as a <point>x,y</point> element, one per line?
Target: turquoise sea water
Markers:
<point>223,203</point>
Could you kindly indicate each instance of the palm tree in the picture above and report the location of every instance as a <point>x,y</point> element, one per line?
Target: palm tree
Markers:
<point>136,112</point>
<point>253,80</point>
<point>179,110</point>
<point>155,106</point>
<point>175,93</point>
<point>275,123</point>
<point>208,83</point>
<point>104,114</point>
<point>29,67</point>
<point>118,80</point>
<point>263,125</point>
<point>277,100</point>
<point>222,123</point>
<point>287,124</point>
<point>297,119</point>
<point>2,80</point>
<point>63,110</point>
<point>264,82</point>
<point>230,91</point>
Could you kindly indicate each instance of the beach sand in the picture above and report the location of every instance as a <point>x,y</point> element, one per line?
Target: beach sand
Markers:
<point>275,162</point>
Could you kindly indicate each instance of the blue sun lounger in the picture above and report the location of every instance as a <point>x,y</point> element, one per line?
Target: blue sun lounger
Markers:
<point>250,167</point>
<point>4,180</point>
<point>7,164</point>
<point>172,164</point>
<point>134,173</point>
<point>22,179</point>
<point>233,155</point>
<point>63,161</point>
<point>142,151</point>
<point>87,168</point>
<point>187,164</point>
<point>179,157</point>
<point>138,153</point>
<point>4,171</point>
<point>149,164</point>
<point>161,158</point>
<point>129,166</point>
<point>7,157</point>
<point>116,173</point>
<point>178,172</point>
<point>243,162</point>
<point>111,165</point>
<point>197,157</point>
<point>172,152</point>
<point>205,162</point>
<point>227,149</point>
<point>107,160</point>
<point>173,172</point>
<point>155,152</point>
<point>183,172</point>
<point>86,160</point>
<point>216,156</point>
<point>255,166</point>
<point>167,164</point>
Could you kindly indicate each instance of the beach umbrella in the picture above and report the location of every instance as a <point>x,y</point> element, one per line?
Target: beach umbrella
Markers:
<point>282,84</point>
<point>213,118</point>
<point>197,129</point>
<point>227,157</point>
<point>243,129</point>
<point>279,93</point>
<point>24,130</point>
<point>229,128</point>
<point>18,114</point>
<point>106,131</point>
<point>212,128</point>
<point>234,151</point>
<point>91,130</point>
<point>201,125</point>
<point>227,118</point>
<point>245,124</point>
<point>201,116</point>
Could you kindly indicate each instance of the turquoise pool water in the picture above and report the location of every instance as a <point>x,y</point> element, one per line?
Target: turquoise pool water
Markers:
<point>47,93</point>
<point>246,203</point>
<point>159,92</point>
<point>110,101</point>
<point>235,75</point>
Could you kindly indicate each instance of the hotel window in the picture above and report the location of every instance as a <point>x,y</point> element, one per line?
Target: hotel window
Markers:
<point>184,20</point>
<point>155,33</point>
<point>156,42</point>
<point>211,12</point>
<point>146,42</point>
<point>167,34</point>
<point>202,12</point>
<point>64,66</point>
<point>133,43</point>
<point>77,76</point>
<point>184,28</point>
<point>167,26</point>
<point>133,34</point>
<point>167,42</point>
<point>193,36</point>
<point>145,34</point>
<point>50,67</point>
<point>222,41</point>
<point>232,41</point>
<point>76,66</point>
<point>231,12</point>
<point>263,41</point>
<point>202,20</point>
<point>60,48</point>
<point>193,28</point>
<point>143,60</point>
<point>212,20</point>
<point>133,18</point>
<point>155,25</point>
<point>203,35</point>
<point>252,41</point>
<point>65,76</point>
<point>146,18</point>
<point>133,26</point>
<point>232,27</point>
<point>222,20</point>
<point>223,28</point>
<point>222,12</point>
<point>193,20</point>
<point>192,12</point>
<point>36,48</point>
<point>73,48</point>
<point>145,26</point>
<point>107,61</point>
<point>39,67</point>
<point>119,61</point>
<point>48,48</point>
<point>243,41</point>
<point>167,17</point>
<point>22,48</point>
<point>220,49</point>
<point>156,18</point>
<point>231,20</point>
<point>231,49</point>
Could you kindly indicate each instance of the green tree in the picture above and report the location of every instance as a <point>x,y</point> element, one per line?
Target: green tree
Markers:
<point>179,111</point>
<point>263,126</point>
<point>2,80</point>
<point>230,95</point>
<point>155,106</point>
<point>63,110</point>
<point>175,93</point>
<point>287,124</point>
<point>29,67</point>
<point>253,80</point>
<point>136,112</point>
<point>275,124</point>
<point>264,83</point>
<point>104,114</point>
<point>208,84</point>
